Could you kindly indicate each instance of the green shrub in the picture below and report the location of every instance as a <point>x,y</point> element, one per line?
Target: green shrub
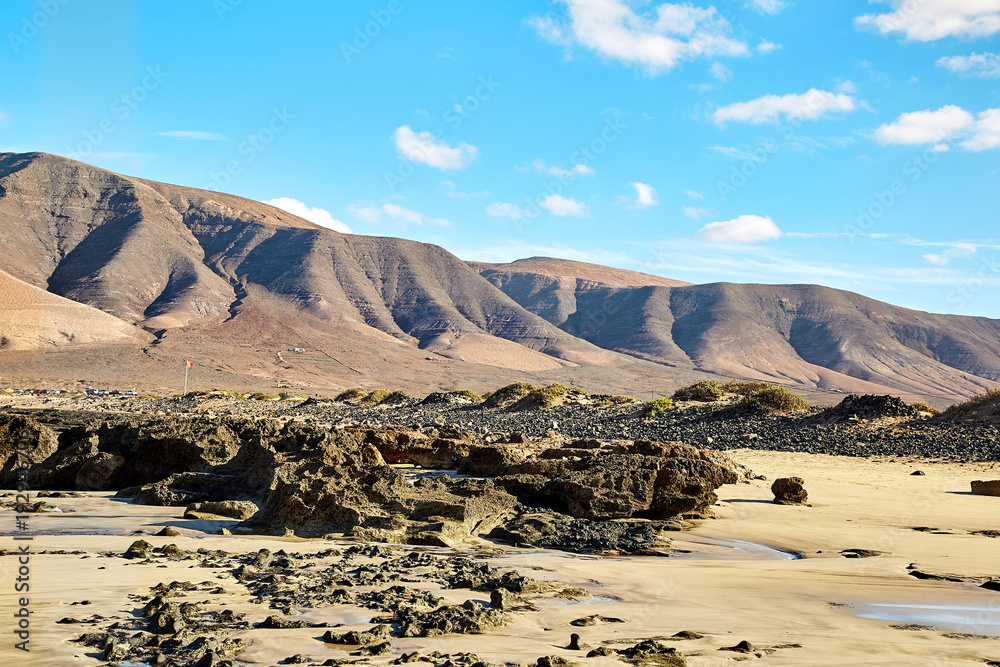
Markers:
<point>744,388</point>
<point>261,396</point>
<point>351,395</point>
<point>657,407</point>
<point>707,391</point>
<point>397,396</point>
<point>509,395</point>
<point>602,401</point>
<point>923,407</point>
<point>771,399</point>
<point>375,397</point>
<point>980,406</point>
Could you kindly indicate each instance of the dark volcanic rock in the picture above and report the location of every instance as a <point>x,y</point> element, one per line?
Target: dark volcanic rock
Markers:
<point>868,407</point>
<point>468,618</point>
<point>554,531</point>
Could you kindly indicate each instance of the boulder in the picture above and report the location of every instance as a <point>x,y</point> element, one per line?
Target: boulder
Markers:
<point>232,509</point>
<point>990,488</point>
<point>790,491</point>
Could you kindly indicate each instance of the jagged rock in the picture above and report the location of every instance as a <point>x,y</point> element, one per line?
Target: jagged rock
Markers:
<point>385,648</point>
<point>501,598</point>
<point>790,491</point>
<point>556,531</point>
<point>41,440</point>
<point>491,461</point>
<point>435,453</point>
<point>990,488</point>
<point>588,621</point>
<point>234,509</point>
<point>139,549</point>
<point>99,473</point>
<point>469,618</point>
<point>743,647</point>
<point>168,531</point>
<point>868,407</point>
<point>653,652</point>
<point>283,623</point>
<point>377,635</point>
<point>551,661</point>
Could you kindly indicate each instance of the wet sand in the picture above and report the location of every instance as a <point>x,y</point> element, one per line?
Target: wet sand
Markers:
<point>726,591</point>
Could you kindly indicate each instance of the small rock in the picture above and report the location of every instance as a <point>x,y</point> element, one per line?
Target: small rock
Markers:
<point>743,647</point>
<point>574,642</point>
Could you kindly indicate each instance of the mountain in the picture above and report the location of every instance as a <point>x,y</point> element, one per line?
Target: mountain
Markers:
<point>791,334</point>
<point>119,279</point>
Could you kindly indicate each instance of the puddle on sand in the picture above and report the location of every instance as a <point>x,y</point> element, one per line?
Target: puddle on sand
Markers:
<point>954,618</point>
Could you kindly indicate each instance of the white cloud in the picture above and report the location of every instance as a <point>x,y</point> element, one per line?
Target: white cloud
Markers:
<point>320,216</point>
<point>924,127</point>
<point>812,105</point>
<point>559,172</point>
<point>931,20</point>
<point>563,207</point>
<point>656,40</point>
<point>958,250</point>
<point>744,229</point>
<point>193,135</point>
<point>977,64</point>
<point>505,210</point>
<point>697,212</point>
<point>4,118</point>
<point>425,148</point>
<point>693,194</point>
<point>397,212</point>
<point>645,197</point>
<point>847,87</point>
<point>985,132</point>
<point>768,47</point>
<point>458,194</point>
<point>366,211</point>
<point>721,72</point>
<point>767,6</point>
<point>372,213</point>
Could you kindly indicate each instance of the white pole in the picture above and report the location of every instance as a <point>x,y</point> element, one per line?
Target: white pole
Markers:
<point>187,365</point>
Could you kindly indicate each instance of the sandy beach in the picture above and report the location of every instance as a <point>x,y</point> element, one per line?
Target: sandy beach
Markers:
<point>810,606</point>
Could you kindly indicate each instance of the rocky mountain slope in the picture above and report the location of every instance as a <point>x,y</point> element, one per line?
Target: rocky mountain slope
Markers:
<point>793,334</point>
<point>257,296</point>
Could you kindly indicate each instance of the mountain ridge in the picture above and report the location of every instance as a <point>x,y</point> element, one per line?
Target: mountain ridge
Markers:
<point>201,270</point>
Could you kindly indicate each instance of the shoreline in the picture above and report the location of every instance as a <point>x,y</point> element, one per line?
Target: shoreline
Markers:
<point>856,504</point>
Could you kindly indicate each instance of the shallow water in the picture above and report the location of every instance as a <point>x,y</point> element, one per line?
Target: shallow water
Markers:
<point>977,620</point>
<point>693,547</point>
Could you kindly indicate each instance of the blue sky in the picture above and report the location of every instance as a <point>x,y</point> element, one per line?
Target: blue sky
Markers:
<point>852,144</point>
